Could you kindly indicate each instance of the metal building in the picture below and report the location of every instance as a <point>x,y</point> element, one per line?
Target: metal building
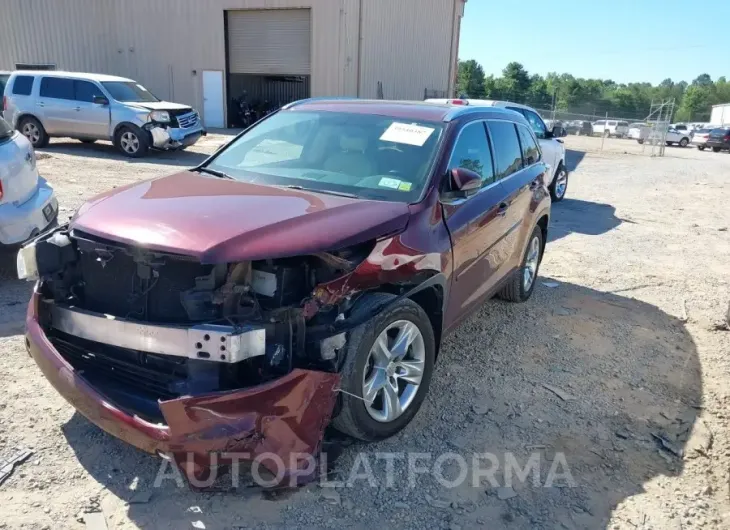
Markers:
<point>207,52</point>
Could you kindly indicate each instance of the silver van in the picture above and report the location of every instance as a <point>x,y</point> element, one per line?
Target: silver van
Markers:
<point>92,107</point>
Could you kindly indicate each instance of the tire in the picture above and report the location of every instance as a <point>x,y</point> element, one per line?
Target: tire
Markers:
<point>87,140</point>
<point>640,141</point>
<point>668,143</point>
<point>33,130</point>
<point>516,290</point>
<point>701,147</point>
<point>559,185</point>
<point>716,149</point>
<point>684,142</point>
<point>355,418</point>
<point>132,141</point>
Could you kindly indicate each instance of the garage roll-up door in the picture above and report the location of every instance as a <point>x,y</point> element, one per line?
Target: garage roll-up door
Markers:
<point>269,41</point>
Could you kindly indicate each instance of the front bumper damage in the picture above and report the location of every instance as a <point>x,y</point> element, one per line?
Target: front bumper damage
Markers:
<point>285,417</point>
<point>172,138</point>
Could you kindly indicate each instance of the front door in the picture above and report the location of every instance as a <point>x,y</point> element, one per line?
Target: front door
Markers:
<point>92,119</point>
<point>476,224</point>
<point>213,98</point>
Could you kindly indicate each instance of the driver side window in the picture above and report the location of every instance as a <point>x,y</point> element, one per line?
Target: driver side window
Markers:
<point>538,126</point>
<point>472,151</point>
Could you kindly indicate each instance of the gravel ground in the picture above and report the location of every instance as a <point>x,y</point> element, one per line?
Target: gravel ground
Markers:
<point>621,343</point>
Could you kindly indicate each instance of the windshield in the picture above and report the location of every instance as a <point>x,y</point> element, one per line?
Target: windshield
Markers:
<point>6,131</point>
<point>365,155</point>
<point>129,91</point>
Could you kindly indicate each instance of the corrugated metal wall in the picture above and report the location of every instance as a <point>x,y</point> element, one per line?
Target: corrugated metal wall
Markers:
<point>166,44</point>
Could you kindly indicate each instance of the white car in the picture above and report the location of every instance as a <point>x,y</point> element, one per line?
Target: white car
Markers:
<point>609,128</point>
<point>28,205</point>
<point>553,149</point>
<point>673,136</point>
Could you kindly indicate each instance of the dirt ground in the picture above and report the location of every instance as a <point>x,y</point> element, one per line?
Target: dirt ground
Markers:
<point>619,363</point>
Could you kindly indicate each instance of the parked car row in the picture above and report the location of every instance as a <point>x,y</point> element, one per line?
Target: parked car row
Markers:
<point>90,107</point>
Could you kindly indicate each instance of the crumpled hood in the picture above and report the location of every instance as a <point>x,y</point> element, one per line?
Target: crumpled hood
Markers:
<point>221,221</point>
<point>159,105</point>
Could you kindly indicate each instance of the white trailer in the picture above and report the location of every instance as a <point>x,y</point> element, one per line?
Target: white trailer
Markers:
<point>720,114</point>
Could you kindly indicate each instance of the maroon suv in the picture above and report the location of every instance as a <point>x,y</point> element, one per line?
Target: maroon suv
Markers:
<point>306,272</point>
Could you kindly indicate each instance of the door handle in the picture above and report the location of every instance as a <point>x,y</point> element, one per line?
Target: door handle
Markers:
<point>77,109</point>
<point>41,104</point>
<point>502,211</point>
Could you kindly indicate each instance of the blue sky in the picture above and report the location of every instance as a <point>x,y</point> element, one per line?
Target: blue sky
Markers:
<point>623,40</point>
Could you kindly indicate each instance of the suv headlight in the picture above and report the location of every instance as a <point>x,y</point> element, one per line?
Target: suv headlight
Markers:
<point>161,116</point>
<point>27,263</point>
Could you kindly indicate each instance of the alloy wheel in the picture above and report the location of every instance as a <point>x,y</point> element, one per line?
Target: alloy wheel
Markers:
<point>31,132</point>
<point>531,263</point>
<point>393,371</point>
<point>129,142</point>
<point>561,183</point>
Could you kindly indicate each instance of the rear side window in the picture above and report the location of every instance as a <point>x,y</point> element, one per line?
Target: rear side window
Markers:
<point>57,88</point>
<point>507,151</point>
<point>530,150</point>
<point>23,85</point>
<point>611,123</point>
<point>471,151</point>
<point>85,91</point>
<point>601,122</point>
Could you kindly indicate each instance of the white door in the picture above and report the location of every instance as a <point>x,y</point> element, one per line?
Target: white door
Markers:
<point>213,98</point>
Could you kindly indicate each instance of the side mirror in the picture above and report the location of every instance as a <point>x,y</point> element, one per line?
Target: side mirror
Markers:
<point>100,100</point>
<point>465,180</point>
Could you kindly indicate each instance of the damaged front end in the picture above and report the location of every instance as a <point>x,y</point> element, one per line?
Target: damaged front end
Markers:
<point>176,356</point>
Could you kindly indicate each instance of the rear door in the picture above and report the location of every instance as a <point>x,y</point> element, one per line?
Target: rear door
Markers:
<point>57,105</point>
<point>476,223</point>
<point>91,120</point>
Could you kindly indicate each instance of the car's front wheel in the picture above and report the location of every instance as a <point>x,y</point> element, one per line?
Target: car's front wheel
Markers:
<point>701,147</point>
<point>132,141</point>
<point>387,369</point>
<point>716,149</point>
<point>684,142</point>
<point>560,184</point>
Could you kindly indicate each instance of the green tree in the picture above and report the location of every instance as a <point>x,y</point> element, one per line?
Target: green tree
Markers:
<point>470,81</point>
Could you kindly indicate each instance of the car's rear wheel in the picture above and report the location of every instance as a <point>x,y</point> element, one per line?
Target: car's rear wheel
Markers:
<point>387,369</point>
<point>640,141</point>
<point>684,142</point>
<point>132,141</point>
<point>33,130</point>
<point>716,149</point>
<point>520,286</point>
<point>701,147</point>
<point>560,184</point>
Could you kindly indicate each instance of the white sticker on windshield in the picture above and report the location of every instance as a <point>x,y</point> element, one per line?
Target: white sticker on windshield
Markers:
<point>386,182</point>
<point>403,133</point>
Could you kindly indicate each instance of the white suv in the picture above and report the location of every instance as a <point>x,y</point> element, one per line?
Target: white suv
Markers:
<point>27,203</point>
<point>553,149</point>
<point>619,129</point>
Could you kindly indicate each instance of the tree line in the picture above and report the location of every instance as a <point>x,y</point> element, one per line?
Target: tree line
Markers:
<point>693,101</point>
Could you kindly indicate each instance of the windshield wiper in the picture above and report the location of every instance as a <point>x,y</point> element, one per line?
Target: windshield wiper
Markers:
<point>215,172</point>
<point>326,192</point>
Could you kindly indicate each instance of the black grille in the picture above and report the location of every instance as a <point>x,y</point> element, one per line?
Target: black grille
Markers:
<point>174,115</point>
<point>111,283</point>
<point>153,376</point>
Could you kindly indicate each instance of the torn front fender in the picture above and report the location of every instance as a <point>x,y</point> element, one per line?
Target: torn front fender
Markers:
<point>280,423</point>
